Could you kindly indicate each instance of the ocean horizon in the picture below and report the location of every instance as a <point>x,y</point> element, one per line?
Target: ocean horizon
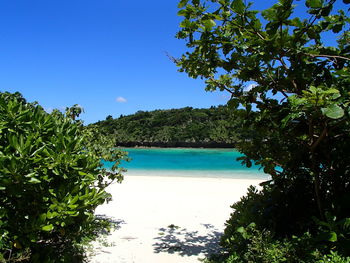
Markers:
<point>188,162</point>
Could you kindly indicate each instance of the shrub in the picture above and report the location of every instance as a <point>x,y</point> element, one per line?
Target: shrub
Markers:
<point>333,257</point>
<point>250,234</point>
<point>51,180</point>
<point>282,209</point>
<point>263,229</point>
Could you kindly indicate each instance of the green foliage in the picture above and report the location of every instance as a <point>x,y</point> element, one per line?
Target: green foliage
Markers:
<point>263,247</point>
<point>250,232</point>
<point>335,232</point>
<point>293,94</point>
<point>333,257</point>
<point>176,127</point>
<point>51,180</point>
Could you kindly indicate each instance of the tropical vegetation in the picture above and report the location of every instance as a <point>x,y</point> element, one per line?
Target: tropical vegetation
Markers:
<point>51,181</point>
<point>213,127</point>
<point>290,79</point>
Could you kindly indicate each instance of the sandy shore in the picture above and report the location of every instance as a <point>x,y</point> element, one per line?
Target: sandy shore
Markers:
<point>167,219</point>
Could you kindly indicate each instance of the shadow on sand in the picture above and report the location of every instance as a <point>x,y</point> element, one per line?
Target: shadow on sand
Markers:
<point>113,223</point>
<point>174,239</point>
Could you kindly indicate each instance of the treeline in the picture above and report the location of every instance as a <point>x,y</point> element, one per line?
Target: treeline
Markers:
<point>185,127</point>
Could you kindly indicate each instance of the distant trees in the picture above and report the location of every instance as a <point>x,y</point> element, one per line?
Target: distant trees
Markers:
<point>174,127</point>
<point>293,90</point>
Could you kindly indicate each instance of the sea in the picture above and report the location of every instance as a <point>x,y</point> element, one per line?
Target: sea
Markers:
<point>188,162</point>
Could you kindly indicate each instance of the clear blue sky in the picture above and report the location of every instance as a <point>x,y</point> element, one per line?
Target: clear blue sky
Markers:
<point>109,56</point>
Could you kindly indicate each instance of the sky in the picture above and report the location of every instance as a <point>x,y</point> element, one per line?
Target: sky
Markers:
<point>108,56</point>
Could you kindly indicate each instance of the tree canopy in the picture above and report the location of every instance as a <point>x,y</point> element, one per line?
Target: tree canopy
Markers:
<point>294,89</point>
<point>213,127</point>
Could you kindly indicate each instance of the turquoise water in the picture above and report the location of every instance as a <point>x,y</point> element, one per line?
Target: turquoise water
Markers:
<point>189,162</point>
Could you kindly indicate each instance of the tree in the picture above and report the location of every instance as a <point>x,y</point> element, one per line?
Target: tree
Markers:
<point>291,89</point>
<point>51,180</point>
<point>171,127</point>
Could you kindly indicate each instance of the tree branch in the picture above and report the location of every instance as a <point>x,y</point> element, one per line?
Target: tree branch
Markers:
<point>221,86</point>
<point>320,138</point>
<point>326,56</point>
<point>280,59</point>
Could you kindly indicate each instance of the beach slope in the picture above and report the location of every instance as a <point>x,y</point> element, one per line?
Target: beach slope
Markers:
<point>167,219</point>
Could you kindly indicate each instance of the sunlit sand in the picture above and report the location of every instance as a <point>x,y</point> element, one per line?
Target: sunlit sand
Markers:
<point>167,219</point>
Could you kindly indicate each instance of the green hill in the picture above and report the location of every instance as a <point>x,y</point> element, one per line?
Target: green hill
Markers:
<point>185,127</point>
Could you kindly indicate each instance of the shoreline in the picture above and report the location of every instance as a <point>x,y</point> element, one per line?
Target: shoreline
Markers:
<point>206,174</point>
<point>168,219</point>
<point>175,147</point>
<point>208,145</point>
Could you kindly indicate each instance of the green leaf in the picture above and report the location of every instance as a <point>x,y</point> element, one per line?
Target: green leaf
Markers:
<point>326,10</point>
<point>346,1</point>
<point>314,3</point>
<point>332,237</point>
<point>182,3</point>
<point>241,230</point>
<point>33,180</point>
<point>47,228</point>
<point>296,22</point>
<point>74,200</point>
<point>51,215</point>
<point>252,225</point>
<point>238,6</point>
<point>42,217</point>
<point>312,34</point>
<point>327,236</point>
<point>185,23</point>
<point>182,12</point>
<point>337,28</point>
<point>333,111</point>
<point>346,223</point>
<point>209,24</point>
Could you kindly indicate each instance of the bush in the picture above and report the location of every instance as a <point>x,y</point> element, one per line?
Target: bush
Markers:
<point>262,228</point>
<point>333,257</point>
<point>252,243</point>
<point>281,208</point>
<point>50,181</point>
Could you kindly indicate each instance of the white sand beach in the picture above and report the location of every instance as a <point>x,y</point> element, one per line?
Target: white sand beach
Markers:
<point>167,219</point>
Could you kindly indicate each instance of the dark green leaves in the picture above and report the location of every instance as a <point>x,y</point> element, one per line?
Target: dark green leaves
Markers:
<point>233,103</point>
<point>314,3</point>
<point>182,3</point>
<point>238,6</point>
<point>296,22</point>
<point>269,14</point>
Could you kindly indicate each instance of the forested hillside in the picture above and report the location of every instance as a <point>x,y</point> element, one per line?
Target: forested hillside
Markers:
<point>213,127</point>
